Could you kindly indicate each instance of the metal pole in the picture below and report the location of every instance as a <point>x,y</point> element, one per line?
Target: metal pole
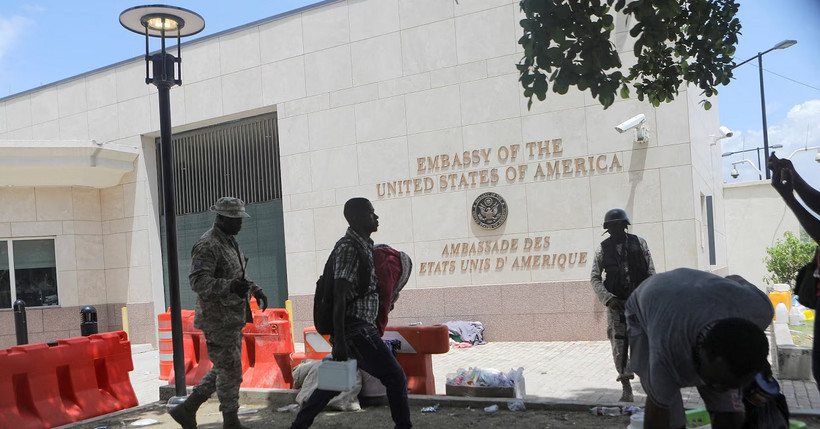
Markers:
<point>763,112</point>
<point>758,164</point>
<point>20,323</point>
<point>164,80</point>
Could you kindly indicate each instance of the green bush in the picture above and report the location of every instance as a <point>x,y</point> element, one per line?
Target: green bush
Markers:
<point>785,258</point>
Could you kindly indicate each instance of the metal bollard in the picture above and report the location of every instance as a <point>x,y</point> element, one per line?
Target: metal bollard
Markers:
<point>20,324</point>
<point>88,317</point>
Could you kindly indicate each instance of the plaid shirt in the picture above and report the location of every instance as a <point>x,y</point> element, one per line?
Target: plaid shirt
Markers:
<point>346,266</point>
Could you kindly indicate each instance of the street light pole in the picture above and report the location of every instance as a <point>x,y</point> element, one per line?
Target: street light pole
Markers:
<point>782,45</point>
<point>157,21</point>
<point>757,149</point>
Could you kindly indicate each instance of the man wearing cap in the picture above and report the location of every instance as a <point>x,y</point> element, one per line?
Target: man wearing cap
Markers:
<point>621,263</point>
<point>222,309</point>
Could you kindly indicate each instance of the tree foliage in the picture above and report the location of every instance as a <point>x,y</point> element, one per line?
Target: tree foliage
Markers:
<point>785,258</point>
<point>568,43</point>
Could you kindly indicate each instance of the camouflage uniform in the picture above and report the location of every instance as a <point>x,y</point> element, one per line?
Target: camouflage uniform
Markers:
<point>616,321</point>
<point>216,260</point>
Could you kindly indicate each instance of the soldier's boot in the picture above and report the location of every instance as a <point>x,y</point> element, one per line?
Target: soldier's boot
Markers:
<point>230,420</point>
<point>626,396</point>
<point>185,413</point>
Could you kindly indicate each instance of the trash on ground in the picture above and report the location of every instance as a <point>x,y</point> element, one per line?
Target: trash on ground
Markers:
<point>144,422</point>
<point>631,409</point>
<point>486,382</point>
<point>516,406</point>
<point>491,409</point>
<point>605,411</point>
<point>288,408</point>
<point>432,409</point>
<point>243,412</point>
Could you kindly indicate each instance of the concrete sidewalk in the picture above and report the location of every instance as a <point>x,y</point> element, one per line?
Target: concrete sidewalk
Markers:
<point>561,371</point>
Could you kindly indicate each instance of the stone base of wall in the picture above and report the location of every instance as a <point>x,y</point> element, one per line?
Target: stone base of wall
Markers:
<point>49,324</point>
<point>556,311</point>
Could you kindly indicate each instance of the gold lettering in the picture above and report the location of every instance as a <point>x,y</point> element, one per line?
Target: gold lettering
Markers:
<point>553,169</point>
<point>580,165</point>
<point>539,173</point>
<point>598,165</point>
<point>615,162</point>
<point>567,164</point>
<point>557,146</point>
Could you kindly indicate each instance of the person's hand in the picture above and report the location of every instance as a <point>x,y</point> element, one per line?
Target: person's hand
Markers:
<point>340,351</point>
<point>783,182</point>
<point>776,164</point>
<point>615,304</point>
<point>261,299</point>
<point>240,286</point>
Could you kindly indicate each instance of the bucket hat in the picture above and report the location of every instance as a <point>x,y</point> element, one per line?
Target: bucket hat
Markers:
<point>230,207</point>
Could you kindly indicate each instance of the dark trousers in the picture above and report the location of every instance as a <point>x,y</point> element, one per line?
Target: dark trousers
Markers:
<point>815,352</point>
<point>376,358</point>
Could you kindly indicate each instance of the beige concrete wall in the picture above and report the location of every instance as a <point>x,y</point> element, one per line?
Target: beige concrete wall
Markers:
<point>756,217</point>
<point>48,324</point>
<point>363,90</point>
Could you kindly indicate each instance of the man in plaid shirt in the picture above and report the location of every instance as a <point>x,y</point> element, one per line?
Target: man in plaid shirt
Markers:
<point>355,309</point>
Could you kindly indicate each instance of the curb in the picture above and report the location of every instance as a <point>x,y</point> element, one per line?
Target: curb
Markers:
<point>281,397</point>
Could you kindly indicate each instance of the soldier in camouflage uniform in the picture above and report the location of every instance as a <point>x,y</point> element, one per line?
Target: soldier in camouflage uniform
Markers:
<point>222,309</point>
<point>625,261</point>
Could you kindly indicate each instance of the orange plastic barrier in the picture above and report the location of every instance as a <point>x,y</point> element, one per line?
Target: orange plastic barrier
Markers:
<point>166,347</point>
<point>79,378</point>
<point>266,348</point>
<point>317,346</point>
<point>418,343</point>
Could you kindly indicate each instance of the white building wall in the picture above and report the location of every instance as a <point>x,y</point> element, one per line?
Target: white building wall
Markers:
<point>363,89</point>
<point>756,217</point>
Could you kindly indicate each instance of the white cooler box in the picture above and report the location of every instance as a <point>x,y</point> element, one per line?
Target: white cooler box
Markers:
<point>339,376</point>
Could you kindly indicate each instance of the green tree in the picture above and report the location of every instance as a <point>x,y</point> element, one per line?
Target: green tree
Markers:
<point>785,258</point>
<point>567,43</point>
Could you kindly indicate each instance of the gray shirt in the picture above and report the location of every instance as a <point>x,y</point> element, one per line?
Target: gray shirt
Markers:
<point>666,313</point>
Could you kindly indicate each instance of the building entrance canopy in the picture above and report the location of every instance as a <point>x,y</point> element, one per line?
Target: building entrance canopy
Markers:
<point>64,163</point>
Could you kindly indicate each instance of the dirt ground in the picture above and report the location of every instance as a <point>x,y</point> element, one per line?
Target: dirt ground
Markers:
<point>379,417</point>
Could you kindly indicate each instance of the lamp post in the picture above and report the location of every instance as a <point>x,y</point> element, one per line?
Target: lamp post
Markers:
<point>161,21</point>
<point>782,45</point>
<point>734,173</point>
<point>759,165</point>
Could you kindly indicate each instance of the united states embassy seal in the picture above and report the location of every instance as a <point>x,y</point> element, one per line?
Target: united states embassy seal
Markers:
<point>489,210</point>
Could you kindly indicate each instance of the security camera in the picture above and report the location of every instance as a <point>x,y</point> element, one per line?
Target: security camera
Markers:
<point>734,173</point>
<point>725,132</point>
<point>631,123</point>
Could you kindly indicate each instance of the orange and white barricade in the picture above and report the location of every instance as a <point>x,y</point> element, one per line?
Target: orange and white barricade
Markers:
<point>418,343</point>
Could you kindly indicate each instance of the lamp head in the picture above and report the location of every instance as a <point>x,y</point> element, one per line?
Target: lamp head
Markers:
<point>785,44</point>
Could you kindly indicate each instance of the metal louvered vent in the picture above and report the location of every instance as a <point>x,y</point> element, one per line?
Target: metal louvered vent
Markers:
<point>236,159</point>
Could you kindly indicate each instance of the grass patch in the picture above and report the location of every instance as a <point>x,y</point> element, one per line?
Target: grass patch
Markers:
<point>803,335</point>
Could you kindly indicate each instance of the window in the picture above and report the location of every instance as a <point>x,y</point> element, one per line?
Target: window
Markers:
<point>28,271</point>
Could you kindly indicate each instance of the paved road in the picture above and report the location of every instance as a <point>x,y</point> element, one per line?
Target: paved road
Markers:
<point>578,371</point>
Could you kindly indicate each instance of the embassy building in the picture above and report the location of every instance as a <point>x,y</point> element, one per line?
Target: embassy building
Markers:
<point>413,104</point>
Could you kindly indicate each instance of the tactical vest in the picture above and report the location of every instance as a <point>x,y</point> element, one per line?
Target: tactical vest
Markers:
<point>616,266</point>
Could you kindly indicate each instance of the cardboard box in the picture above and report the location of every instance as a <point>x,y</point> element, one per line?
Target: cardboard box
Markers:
<point>336,375</point>
<point>480,391</point>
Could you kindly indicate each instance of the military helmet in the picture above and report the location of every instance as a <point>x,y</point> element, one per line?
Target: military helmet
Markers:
<point>615,215</point>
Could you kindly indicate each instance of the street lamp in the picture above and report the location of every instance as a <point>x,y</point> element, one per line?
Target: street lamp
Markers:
<point>734,173</point>
<point>806,149</point>
<point>759,165</point>
<point>163,21</point>
<point>782,45</point>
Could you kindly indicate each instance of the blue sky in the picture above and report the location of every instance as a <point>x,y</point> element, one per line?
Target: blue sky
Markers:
<point>43,41</point>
